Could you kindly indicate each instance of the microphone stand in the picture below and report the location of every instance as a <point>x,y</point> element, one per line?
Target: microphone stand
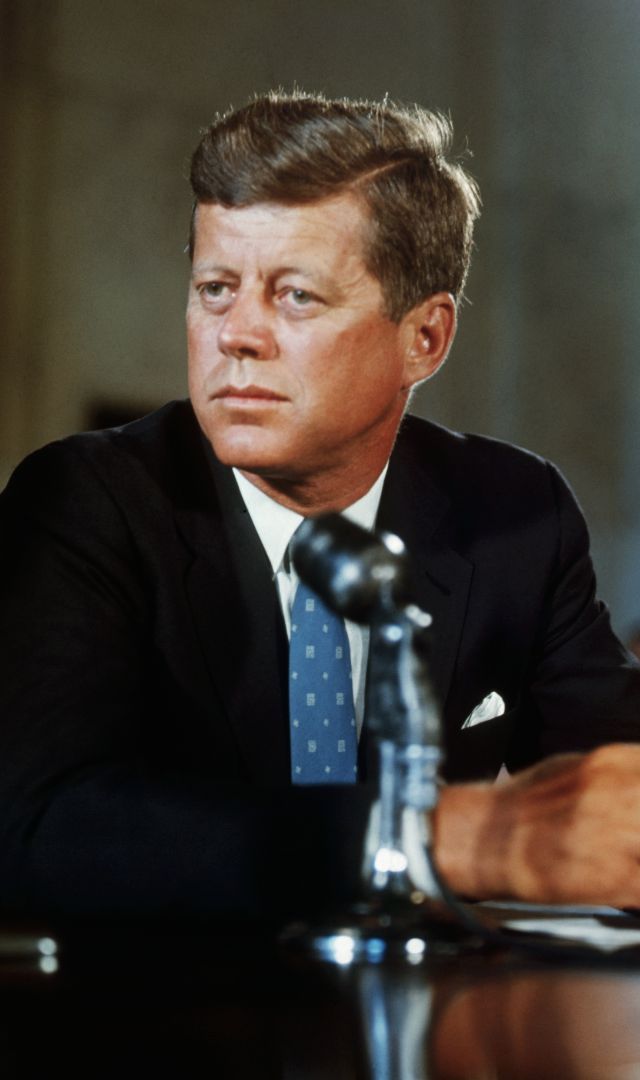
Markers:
<point>403,913</point>
<point>404,721</point>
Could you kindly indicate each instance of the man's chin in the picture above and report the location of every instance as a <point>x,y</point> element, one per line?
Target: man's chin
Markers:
<point>253,460</point>
<point>256,453</point>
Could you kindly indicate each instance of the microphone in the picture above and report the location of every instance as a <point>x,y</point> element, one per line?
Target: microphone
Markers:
<point>357,573</point>
<point>364,576</point>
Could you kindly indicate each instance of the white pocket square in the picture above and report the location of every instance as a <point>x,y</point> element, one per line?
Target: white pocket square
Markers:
<point>489,707</point>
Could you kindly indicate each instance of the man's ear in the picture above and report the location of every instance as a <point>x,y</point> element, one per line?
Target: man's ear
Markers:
<point>431,327</point>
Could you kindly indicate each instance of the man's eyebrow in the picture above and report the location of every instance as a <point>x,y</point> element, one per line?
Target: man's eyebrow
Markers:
<point>324,281</point>
<point>212,268</point>
<point>306,271</point>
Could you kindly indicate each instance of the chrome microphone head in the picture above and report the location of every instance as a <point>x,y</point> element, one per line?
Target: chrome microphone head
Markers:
<point>357,573</point>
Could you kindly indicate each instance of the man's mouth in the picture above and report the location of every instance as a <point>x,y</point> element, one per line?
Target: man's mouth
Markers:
<point>248,393</point>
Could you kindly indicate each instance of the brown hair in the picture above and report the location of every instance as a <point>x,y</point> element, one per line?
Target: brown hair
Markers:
<point>298,148</point>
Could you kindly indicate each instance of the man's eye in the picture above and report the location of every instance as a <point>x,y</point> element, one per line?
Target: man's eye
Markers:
<point>213,290</point>
<point>301,296</point>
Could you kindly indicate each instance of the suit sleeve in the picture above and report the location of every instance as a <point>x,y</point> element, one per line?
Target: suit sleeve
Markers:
<point>88,823</point>
<point>584,687</point>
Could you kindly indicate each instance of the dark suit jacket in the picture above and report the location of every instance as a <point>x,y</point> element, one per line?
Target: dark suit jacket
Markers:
<point>143,701</point>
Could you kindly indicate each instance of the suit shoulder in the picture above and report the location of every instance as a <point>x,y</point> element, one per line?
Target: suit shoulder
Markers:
<point>150,443</point>
<point>114,478</point>
<point>484,476</point>
<point>502,503</point>
<point>468,458</point>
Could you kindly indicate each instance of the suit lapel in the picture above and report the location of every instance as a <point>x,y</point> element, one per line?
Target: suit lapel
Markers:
<point>417,510</point>
<point>236,612</point>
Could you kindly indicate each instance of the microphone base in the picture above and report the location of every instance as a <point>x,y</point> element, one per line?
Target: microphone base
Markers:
<point>398,932</point>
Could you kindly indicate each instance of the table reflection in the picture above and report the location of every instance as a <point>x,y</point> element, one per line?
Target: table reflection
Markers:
<point>480,1020</point>
<point>533,1024</point>
<point>179,1002</point>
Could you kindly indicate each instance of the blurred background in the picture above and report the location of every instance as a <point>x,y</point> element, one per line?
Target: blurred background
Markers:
<point>102,103</point>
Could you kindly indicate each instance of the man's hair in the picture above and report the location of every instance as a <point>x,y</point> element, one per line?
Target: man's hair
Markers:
<point>299,148</point>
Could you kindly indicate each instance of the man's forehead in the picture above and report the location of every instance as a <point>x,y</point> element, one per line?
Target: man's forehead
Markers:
<point>336,211</point>
<point>305,231</point>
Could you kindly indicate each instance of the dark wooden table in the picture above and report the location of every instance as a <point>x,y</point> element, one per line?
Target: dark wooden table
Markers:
<point>147,1001</point>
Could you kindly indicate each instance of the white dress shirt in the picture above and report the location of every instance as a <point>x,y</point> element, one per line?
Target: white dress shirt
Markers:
<point>275,525</point>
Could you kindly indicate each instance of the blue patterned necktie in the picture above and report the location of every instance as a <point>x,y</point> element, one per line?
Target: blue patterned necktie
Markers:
<point>324,745</point>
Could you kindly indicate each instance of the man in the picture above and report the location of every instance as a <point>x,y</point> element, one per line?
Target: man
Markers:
<point>147,592</point>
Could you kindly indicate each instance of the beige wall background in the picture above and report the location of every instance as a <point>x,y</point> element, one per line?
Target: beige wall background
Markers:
<point>102,103</point>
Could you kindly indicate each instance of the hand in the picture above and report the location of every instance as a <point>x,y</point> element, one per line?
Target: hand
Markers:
<point>564,831</point>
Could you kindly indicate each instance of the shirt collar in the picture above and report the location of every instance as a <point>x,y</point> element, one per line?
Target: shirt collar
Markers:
<point>276,524</point>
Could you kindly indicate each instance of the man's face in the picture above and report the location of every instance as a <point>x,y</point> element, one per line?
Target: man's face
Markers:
<point>294,371</point>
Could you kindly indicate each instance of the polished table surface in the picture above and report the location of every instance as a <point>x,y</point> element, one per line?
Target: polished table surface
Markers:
<point>119,1000</point>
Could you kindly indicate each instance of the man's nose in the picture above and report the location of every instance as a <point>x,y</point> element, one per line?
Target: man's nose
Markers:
<point>246,329</point>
